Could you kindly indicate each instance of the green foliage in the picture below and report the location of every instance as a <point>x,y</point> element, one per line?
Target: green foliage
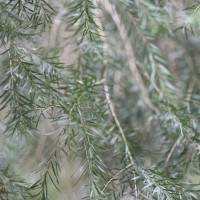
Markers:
<point>81,15</point>
<point>125,107</point>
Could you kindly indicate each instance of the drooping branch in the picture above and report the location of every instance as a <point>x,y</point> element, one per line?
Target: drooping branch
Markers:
<point>130,54</point>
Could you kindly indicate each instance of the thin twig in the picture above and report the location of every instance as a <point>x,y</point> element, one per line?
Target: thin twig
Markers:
<point>117,174</point>
<point>111,106</point>
<point>147,198</point>
<point>190,90</point>
<point>112,110</point>
<point>108,99</point>
<point>173,149</point>
<point>130,53</point>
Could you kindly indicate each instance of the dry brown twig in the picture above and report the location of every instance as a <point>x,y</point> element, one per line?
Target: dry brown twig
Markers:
<point>112,109</point>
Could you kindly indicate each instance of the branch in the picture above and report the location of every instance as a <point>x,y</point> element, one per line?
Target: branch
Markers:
<point>172,149</point>
<point>130,53</point>
<point>111,106</point>
<point>117,174</point>
<point>112,110</point>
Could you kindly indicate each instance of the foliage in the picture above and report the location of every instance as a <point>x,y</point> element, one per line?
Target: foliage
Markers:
<point>125,107</point>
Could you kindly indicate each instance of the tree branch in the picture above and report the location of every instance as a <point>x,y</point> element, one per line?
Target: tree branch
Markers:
<point>130,54</point>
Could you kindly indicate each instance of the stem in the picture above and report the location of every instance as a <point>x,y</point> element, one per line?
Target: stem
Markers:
<point>117,174</point>
<point>111,106</point>
<point>130,54</point>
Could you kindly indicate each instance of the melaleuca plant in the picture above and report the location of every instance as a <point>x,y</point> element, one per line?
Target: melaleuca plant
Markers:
<point>99,99</point>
